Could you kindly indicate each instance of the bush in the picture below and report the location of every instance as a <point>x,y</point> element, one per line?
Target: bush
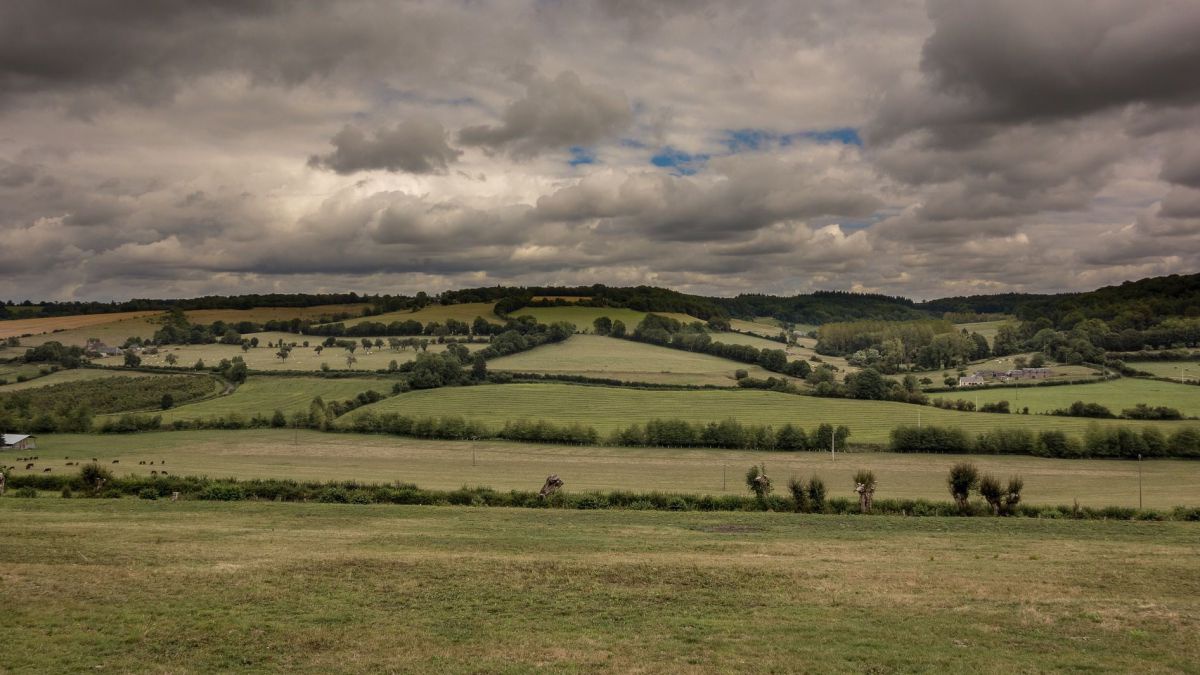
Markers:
<point>816,494</point>
<point>222,492</point>
<point>148,493</point>
<point>26,492</point>
<point>93,474</point>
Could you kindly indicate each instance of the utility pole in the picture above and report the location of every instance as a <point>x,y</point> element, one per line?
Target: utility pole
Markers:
<point>1139,481</point>
<point>723,477</point>
<point>833,445</point>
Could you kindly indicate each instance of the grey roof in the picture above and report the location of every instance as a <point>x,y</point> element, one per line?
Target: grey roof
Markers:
<point>13,439</point>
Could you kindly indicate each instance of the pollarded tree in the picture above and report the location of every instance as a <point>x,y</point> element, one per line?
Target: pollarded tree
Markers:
<point>799,494</point>
<point>864,485</point>
<point>758,482</point>
<point>962,479</point>
<point>1002,501</point>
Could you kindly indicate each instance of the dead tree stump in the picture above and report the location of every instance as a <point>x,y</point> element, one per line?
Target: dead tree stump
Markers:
<point>552,485</point>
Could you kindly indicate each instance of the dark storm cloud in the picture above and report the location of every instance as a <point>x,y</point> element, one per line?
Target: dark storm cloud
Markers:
<point>554,114</point>
<point>1027,60</point>
<point>417,145</point>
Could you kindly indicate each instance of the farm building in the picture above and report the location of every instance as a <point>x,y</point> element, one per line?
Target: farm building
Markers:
<point>100,349</point>
<point>17,442</point>
<point>971,381</point>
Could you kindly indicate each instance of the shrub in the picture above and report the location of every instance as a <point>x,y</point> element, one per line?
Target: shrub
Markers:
<point>93,475</point>
<point>222,492</point>
<point>148,493</point>
<point>26,492</point>
<point>66,492</point>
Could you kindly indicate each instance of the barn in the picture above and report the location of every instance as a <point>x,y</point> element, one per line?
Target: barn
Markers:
<point>17,442</point>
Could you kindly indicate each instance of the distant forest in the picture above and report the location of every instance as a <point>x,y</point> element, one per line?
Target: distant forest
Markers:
<point>1136,305</point>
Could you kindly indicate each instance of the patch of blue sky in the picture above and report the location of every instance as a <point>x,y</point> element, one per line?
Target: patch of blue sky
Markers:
<point>581,155</point>
<point>679,162</point>
<point>750,140</point>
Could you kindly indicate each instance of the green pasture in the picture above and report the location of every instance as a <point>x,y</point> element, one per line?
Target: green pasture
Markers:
<point>760,326</point>
<point>311,455</point>
<point>605,357</point>
<point>987,329</point>
<point>609,408</point>
<point>1189,371</point>
<point>583,317</point>
<point>1116,395</point>
<point>731,338</point>
<point>265,395</point>
<point>129,585</point>
<point>465,312</point>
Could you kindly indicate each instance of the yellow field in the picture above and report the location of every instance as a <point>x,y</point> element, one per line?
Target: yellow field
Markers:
<point>38,326</point>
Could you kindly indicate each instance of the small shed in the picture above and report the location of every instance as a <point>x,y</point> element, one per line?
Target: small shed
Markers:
<point>18,442</point>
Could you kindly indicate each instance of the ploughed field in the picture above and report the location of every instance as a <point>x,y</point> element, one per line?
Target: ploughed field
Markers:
<point>131,585</point>
<point>314,456</point>
<point>610,408</point>
<point>1116,395</point>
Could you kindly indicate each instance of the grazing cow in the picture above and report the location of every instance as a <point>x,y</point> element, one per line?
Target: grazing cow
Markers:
<point>153,473</point>
<point>164,473</point>
<point>29,466</point>
<point>116,461</point>
<point>46,470</point>
<point>95,460</point>
<point>141,462</point>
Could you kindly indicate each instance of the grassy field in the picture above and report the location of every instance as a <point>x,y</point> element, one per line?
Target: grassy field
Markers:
<point>300,358</point>
<point>608,408</point>
<point>465,312</point>
<point>10,371</point>
<point>760,326</point>
<point>596,356</point>
<point>128,585</point>
<point>309,455</point>
<point>1116,395</point>
<point>1188,370</point>
<point>73,375</point>
<point>64,323</point>
<point>731,338</point>
<point>265,395</point>
<point>987,329</point>
<point>583,317</point>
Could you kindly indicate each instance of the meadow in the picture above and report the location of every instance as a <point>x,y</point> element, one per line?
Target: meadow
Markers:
<point>987,329</point>
<point>763,326</point>
<point>609,408</point>
<point>132,585</point>
<point>265,395</point>
<point>465,312</point>
<point>1116,395</point>
<point>1189,371</point>
<point>311,455</point>
<point>605,357</point>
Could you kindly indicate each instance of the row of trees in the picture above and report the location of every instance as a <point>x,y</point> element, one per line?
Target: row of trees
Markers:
<point>1097,441</point>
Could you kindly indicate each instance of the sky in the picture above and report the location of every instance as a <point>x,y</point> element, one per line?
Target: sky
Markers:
<point>926,149</point>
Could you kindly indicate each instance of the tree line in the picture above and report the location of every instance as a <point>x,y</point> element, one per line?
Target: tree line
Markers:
<point>1097,441</point>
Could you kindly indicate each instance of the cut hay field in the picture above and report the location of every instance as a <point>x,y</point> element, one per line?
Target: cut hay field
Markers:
<point>310,455</point>
<point>1188,370</point>
<point>609,408</point>
<point>72,375</point>
<point>465,312</point>
<point>1116,395</point>
<point>583,317</point>
<point>264,314</point>
<point>265,395</point>
<point>597,356</point>
<point>64,323</point>
<point>113,333</point>
<point>300,358</point>
<point>129,585</point>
